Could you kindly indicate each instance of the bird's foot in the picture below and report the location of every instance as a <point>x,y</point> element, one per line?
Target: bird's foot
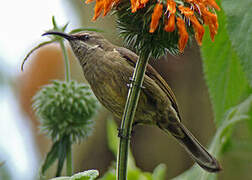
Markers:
<point>133,83</point>
<point>120,134</point>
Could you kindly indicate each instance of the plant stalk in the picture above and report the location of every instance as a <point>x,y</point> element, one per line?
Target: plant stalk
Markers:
<point>128,115</point>
<point>69,161</point>
<point>67,64</point>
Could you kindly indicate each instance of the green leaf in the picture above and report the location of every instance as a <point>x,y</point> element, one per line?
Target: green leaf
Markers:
<point>239,27</point>
<point>223,73</point>
<point>159,172</point>
<point>86,175</point>
<point>236,114</point>
<point>61,178</point>
<point>112,136</point>
<point>51,157</point>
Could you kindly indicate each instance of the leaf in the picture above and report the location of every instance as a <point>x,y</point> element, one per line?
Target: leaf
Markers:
<point>159,172</point>
<point>112,136</point>
<point>51,157</point>
<point>236,114</point>
<point>224,75</point>
<point>239,27</point>
<point>86,175</point>
<point>64,146</point>
<point>61,178</point>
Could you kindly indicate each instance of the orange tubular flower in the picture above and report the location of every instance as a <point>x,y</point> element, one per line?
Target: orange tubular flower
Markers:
<point>171,8</point>
<point>157,13</point>
<point>176,13</point>
<point>198,28</point>
<point>107,6</point>
<point>210,19</point>
<point>170,25</point>
<point>88,1</point>
<point>183,35</point>
<point>211,3</point>
<point>98,9</point>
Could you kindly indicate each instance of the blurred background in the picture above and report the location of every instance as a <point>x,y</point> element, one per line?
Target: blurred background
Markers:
<point>23,146</point>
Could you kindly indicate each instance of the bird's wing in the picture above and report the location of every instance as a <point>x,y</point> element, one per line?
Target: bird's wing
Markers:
<point>131,58</point>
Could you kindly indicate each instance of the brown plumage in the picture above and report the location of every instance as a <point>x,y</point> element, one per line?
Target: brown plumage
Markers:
<point>108,69</point>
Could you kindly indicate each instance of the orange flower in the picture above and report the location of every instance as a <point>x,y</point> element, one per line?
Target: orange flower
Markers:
<point>137,4</point>
<point>88,1</point>
<point>183,35</point>
<point>170,25</point>
<point>144,1</point>
<point>198,29</point>
<point>211,20</point>
<point>107,6</point>
<point>211,3</point>
<point>186,11</point>
<point>98,9</point>
<point>193,11</point>
<point>171,6</point>
<point>157,13</point>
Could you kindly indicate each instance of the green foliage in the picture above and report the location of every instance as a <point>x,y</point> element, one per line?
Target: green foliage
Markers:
<point>224,76</point>
<point>229,91</point>
<point>86,175</point>
<point>235,114</point>
<point>239,28</point>
<point>134,173</point>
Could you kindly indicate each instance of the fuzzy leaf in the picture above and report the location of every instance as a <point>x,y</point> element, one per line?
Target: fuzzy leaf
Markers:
<point>86,175</point>
<point>236,114</point>
<point>239,27</point>
<point>223,73</point>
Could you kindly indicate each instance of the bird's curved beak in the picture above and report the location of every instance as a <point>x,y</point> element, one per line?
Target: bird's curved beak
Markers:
<point>64,35</point>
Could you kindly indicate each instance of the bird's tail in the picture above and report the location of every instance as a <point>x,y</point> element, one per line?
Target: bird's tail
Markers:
<point>192,146</point>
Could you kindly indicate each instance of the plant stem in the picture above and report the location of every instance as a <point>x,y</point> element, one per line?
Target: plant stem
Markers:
<point>128,116</point>
<point>69,161</point>
<point>67,64</point>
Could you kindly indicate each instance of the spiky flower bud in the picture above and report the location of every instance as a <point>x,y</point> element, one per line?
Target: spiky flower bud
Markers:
<point>65,109</point>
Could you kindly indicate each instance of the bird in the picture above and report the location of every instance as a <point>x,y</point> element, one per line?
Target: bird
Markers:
<point>108,68</point>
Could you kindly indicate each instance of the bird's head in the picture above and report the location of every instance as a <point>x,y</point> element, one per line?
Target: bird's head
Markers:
<point>84,43</point>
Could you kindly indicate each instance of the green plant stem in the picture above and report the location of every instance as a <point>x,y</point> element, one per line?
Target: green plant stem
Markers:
<point>69,162</point>
<point>128,116</point>
<point>67,64</point>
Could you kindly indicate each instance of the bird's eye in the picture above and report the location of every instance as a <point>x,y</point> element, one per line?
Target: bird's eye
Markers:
<point>85,37</point>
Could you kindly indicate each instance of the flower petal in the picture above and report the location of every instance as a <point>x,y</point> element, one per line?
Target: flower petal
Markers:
<point>170,26</point>
<point>171,6</point>
<point>183,35</point>
<point>157,13</point>
<point>98,9</point>
<point>107,6</point>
